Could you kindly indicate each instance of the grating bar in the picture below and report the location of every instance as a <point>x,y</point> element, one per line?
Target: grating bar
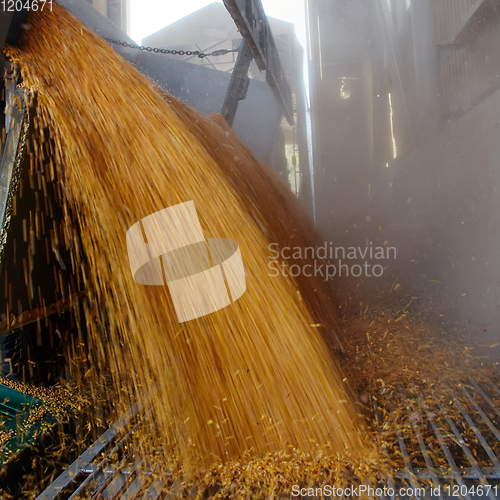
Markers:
<point>484,395</point>
<point>454,469</point>
<point>494,387</point>
<point>467,473</point>
<point>130,480</point>
<point>378,416</point>
<point>483,415</point>
<point>155,490</point>
<point>409,468</point>
<point>391,484</point>
<point>119,471</point>
<point>476,431</point>
<point>466,450</point>
<point>68,476</point>
<point>100,469</point>
<point>136,486</point>
<point>425,453</point>
<point>92,485</point>
<point>118,483</point>
<point>431,471</point>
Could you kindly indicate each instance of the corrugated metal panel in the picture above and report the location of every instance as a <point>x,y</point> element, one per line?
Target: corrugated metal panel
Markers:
<point>450,16</point>
<point>458,89</point>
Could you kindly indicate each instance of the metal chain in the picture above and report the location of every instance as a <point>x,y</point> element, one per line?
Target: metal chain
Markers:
<point>201,55</point>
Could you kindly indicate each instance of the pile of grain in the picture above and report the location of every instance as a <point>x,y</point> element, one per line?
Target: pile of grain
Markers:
<point>252,378</point>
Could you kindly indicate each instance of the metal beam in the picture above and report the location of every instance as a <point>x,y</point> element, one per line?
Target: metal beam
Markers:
<point>251,20</point>
<point>238,86</point>
<point>10,167</point>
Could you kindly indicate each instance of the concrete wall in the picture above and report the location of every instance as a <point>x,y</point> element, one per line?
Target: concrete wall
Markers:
<point>118,11</point>
<point>440,207</point>
<point>419,170</point>
<point>343,133</point>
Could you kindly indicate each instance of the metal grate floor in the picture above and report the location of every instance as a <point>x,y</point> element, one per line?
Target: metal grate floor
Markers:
<point>460,424</point>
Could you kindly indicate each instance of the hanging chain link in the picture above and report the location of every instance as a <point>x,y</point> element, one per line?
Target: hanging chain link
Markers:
<point>201,55</point>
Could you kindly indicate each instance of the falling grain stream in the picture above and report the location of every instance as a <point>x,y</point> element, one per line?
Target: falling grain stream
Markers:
<point>252,378</point>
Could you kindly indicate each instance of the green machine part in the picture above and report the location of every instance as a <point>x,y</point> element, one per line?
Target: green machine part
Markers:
<point>17,422</point>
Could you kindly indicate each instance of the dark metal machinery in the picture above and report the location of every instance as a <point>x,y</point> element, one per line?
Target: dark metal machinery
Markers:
<point>238,86</point>
<point>11,26</point>
<point>252,22</point>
